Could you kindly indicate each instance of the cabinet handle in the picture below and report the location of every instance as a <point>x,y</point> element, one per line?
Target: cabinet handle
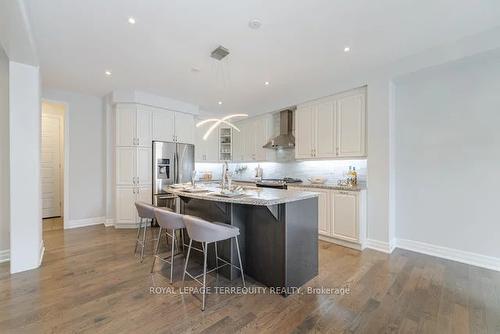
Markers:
<point>133,191</point>
<point>337,151</point>
<point>137,180</point>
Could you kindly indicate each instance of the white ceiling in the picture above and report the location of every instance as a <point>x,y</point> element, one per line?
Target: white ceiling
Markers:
<point>298,48</point>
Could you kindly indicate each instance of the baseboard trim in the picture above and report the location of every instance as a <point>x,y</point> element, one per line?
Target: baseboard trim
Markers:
<point>108,222</point>
<point>474,259</point>
<point>5,255</point>
<point>377,245</point>
<point>75,223</point>
<point>42,253</point>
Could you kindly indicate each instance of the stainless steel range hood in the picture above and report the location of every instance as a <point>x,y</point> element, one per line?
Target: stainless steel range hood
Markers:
<point>285,140</point>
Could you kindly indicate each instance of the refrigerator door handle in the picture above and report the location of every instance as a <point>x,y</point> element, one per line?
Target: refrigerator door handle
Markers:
<point>176,167</point>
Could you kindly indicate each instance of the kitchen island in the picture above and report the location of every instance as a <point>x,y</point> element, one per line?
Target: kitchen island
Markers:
<point>278,232</point>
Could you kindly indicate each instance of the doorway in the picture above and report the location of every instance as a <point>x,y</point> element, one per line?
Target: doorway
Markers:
<point>52,157</point>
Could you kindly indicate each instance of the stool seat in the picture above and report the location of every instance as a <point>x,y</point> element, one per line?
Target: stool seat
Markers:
<point>203,231</point>
<point>146,213</point>
<point>145,210</point>
<point>168,219</point>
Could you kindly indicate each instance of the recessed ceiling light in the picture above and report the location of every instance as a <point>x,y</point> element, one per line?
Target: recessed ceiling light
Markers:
<point>347,49</point>
<point>108,73</point>
<point>131,20</point>
<point>220,102</point>
<point>266,83</point>
<point>254,24</point>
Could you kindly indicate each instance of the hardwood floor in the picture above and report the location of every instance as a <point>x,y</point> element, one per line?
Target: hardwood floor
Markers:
<point>90,282</point>
<point>51,224</point>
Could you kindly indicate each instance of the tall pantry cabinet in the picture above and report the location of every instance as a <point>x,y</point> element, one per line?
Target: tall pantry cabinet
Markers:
<point>136,126</point>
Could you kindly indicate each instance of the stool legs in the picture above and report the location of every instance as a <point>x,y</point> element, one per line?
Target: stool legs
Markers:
<point>172,257</point>
<point>156,249</point>
<point>144,239</point>
<point>138,233</point>
<point>205,252</point>
<point>186,263</point>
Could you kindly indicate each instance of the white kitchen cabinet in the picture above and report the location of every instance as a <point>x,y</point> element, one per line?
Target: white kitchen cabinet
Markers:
<point>133,126</point>
<point>238,144</point>
<point>133,166</point>
<point>351,125</point>
<point>184,128</point>
<point>326,136</point>
<point>125,214</point>
<point>341,216</point>
<point>163,125</point>
<point>126,166</point>
<point>248,143</point>
<point>144,166</point>
<point>332,127</point>
<point>126,125</point>
<point>206,150</point>
<point>305,136</point>
<point>144,128</point>
<point>345,215</point>
<point>144,194</point>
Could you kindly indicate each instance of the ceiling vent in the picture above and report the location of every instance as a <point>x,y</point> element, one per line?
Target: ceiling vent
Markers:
<point>219,53</point>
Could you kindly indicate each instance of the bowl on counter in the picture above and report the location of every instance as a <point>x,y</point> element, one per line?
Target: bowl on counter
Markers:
<point>317,179</point>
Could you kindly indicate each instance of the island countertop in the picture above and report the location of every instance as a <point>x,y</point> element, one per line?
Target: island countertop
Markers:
<point>254,196</point>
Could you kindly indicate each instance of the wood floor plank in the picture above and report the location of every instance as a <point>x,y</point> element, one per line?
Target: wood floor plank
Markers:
<point>91,282</point>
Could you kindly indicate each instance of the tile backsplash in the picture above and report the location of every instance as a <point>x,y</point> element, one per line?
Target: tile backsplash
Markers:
<point>333,170</point>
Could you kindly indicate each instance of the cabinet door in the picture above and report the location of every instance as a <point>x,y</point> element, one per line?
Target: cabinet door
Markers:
<point>351,126</point>
<point>144,166</point>
<point>261,130</point>
<point>238,144</point>
<point>211,146</point>
<point>184,128</point>
<point>126,162</point>
<point>304,132</point>
<point>326,132</point>
<point>324,217</point>
<point>125,206</point>
<point>145,194</point>
<point>125,125</point>
<point>144,128</point>
<point>163,125</point>
<point>345,215</point>
<point>248,141</point>
<point>199,145</point>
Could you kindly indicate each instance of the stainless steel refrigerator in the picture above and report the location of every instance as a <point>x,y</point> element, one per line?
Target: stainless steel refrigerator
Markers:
<point>172,163</point>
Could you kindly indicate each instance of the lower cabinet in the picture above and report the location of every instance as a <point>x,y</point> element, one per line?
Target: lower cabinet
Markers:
<point>341,216</point>
<point>126,214</point>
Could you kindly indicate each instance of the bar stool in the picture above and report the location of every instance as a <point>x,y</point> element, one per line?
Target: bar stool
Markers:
<point>207,232</point>
<point>168,220</point>
<point>146,215</point>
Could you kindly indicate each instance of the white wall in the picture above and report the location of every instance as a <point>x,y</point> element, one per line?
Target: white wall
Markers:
<point>87,164</point>
<point>4,157</point>
<point>25,204</point>
<point>447,155</point>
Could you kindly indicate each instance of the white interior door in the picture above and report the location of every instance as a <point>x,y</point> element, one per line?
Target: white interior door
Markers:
<point>51,165</point>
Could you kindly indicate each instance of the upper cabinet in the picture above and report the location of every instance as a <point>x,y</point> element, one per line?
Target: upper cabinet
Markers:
<point>249,141</point>
<point>332,127</point>
<point>184,128</point>
<point>206,150</point>
<point>138,125</point>
<point>164,125</point>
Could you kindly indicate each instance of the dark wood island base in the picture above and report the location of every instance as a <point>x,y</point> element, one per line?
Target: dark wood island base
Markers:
<point>279,243</point>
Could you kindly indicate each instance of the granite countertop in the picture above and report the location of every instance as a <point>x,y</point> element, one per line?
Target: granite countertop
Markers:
<point>326,185</point>
<point>258,196</point>
<point>329,185</point>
